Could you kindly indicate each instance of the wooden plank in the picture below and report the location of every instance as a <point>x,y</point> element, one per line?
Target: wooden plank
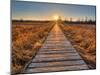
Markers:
<point>40,59</point>
<point>57,46</point>
<point>58,63</point>
<point>74,53</point>
<point>56,69</point>
<point>54,43</point>
<point>57,55</point>
<point>55,49</point>
<point>63,51</point>
<point>52,52</point>
<point>57,43</point>
<point>59,49</point>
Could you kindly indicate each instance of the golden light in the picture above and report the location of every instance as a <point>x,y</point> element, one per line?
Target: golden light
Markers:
<point>56,17</point>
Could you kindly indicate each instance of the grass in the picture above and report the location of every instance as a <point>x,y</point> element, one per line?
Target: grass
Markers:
<point>83,38</point>
<point>27,38</point>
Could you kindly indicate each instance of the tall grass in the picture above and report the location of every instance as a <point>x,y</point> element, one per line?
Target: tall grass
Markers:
<point>26,40</point>
<point>83,38</point>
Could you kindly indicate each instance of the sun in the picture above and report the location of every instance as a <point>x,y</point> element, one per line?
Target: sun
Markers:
<point>56,17</point>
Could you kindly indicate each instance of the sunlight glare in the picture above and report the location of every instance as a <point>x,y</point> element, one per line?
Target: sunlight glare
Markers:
<point>56,17</point>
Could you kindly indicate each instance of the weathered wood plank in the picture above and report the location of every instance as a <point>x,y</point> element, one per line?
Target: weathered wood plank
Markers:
<point>59,51</point>
<point>74,53</point>
<point>58,63</point>
<point>56,69</point>
<point>56,49</point>
<point>40,59</point>
<point>58,55</point>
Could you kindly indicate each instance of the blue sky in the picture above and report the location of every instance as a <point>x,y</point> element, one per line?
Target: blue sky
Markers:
<point>46,11</point>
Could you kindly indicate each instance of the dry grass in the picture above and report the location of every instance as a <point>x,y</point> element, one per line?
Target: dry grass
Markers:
<point>26,40</point>
<point>83,38</point>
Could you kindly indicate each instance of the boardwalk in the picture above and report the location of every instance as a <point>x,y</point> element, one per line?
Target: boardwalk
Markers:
<point>56,54</point>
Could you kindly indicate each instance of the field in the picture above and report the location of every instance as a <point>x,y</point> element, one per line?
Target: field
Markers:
<point>83,38</point>
<point>27,38</point>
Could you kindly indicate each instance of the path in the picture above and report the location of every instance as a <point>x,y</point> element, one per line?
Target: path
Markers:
<point>56,54</point>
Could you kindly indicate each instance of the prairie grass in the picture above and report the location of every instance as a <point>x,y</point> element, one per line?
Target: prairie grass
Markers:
<point>27,38</point>
<point>83,38</point>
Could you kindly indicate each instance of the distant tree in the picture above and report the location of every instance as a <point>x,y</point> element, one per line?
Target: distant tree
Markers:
<point>86,19</point>
<point>21,19</point>
<point>70,19</point>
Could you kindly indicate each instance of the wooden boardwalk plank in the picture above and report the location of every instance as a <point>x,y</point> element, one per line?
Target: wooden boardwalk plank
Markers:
<point>40,59</point>
<point>56,63</point>
<point>51,52</point>
<point>56,69</point>
<point>57,55</point>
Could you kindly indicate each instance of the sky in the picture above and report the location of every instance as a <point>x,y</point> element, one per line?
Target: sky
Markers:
<point>46,11</point>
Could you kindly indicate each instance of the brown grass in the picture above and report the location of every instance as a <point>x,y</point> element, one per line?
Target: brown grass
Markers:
<point>83,38</point>
<point>26,40</point>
